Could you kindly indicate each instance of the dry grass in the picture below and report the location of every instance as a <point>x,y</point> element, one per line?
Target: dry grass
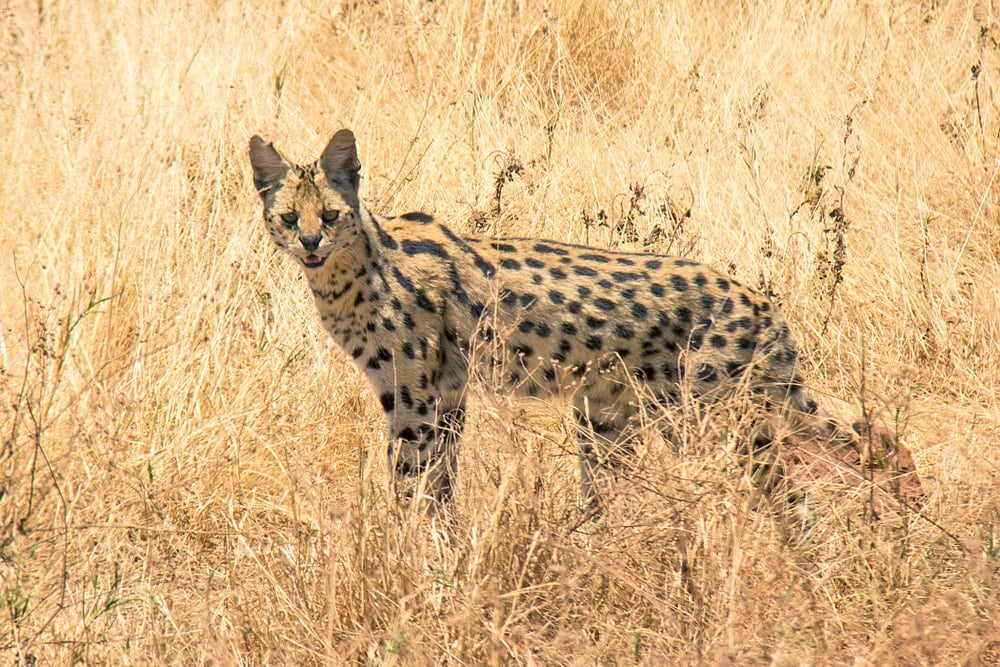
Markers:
<point>190,474</point>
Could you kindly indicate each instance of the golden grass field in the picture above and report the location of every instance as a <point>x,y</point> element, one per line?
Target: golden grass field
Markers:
<point>191,473</point>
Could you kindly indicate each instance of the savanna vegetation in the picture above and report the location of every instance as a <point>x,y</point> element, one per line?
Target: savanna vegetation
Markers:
<point>190,473</point>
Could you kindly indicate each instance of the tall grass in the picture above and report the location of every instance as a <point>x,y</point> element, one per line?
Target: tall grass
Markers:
<point>190,473</point>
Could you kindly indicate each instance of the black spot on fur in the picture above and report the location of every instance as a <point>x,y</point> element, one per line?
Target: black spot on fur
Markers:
<point>623,331</point>
<point>424,302</point>
<point>646,373</point>
<point>604,304</point>
<point>742,323</point>
<point>734,368</point>
<point>405,398</point>
<point>708,374</point>
<point>417,216</point>
<point>457,287</point>
<point>424,247</point>
<point>548,250</point>
<point>384,238</point>
<point>485,267</point>
<point>403,281</point>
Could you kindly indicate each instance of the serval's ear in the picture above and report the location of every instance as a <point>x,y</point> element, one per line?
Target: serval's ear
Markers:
<point>268,165</point>
<point>340,160</point>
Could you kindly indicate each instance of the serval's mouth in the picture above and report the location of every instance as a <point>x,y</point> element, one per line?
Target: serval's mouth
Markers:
<point>312,261</point>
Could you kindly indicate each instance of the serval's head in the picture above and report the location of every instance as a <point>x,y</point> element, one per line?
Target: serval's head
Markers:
<point>310,211</point>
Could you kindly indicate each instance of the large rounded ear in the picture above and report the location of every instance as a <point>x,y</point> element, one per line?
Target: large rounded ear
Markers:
<point>340,160</point>
<point>269,168</point>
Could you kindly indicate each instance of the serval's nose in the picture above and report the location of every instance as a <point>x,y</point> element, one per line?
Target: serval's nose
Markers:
<point>310,243</point>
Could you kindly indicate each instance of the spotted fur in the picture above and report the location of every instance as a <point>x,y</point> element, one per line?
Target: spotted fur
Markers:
<point>416,306</point>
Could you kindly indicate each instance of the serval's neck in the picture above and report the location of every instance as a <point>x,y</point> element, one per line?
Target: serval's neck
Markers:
<point>343,283</point>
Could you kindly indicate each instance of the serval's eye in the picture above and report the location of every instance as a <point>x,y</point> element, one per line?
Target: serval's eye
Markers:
<point>290,219</point>
<point>329,217</point>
